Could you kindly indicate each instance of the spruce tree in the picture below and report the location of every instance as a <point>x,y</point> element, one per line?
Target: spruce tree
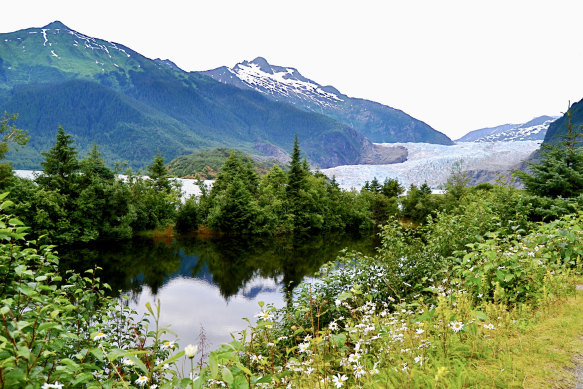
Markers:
<point>296,174</point>
<point>158,174</point>
<point>61,166</point>
<point>93,167</point>
<point>560,171</point>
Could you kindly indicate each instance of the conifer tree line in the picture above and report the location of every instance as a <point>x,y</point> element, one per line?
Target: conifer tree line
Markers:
<point>79,201</point>
<point>82,200</point>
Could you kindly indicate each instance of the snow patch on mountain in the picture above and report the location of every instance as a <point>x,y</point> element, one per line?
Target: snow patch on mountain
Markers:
<point>536,132</point>
<point>276,80</point>
<point>89,42</point>
<point>433,164</point>
<point>534,129</point>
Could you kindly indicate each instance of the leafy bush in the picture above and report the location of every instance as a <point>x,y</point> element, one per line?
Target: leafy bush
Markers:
<point>61,329</point>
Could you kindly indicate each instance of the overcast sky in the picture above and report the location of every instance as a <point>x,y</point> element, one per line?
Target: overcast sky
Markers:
<point>456,65</point>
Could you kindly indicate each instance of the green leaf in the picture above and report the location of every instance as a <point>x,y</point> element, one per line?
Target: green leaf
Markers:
<point>83,377</point>
<point>47,325</point>
<point>214,366</point>
<point>263,380</point>
<point>480,315</point>
<point>23,352</point>
<point>169,360</point>
<point>227,376</point>
<point>97,353</point>
<point>15,222</point>
<point>243,368</point>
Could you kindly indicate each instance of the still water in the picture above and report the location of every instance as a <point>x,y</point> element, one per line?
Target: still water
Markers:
<point>210,282</point>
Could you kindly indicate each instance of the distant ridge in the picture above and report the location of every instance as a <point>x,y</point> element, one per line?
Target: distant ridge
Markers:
<point>377,122</point>
<point>534,129</point>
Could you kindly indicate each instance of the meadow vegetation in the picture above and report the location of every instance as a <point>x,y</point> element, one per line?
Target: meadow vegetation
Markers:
<point>473,288</point>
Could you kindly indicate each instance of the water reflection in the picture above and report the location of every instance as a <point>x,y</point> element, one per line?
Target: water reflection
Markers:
<point>210,281</point>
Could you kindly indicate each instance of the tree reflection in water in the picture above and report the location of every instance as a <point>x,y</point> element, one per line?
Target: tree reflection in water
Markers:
<point>227,262</point>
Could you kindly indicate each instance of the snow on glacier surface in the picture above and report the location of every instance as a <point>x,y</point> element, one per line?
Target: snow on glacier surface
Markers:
<point>433,164</point>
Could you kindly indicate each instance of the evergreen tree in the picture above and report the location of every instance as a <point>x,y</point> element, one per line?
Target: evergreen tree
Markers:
<point>375,186</point>
<point>560,171</point>
<point>158,174</point>
<point>60,167</point>
<point>298,209</point>
<point>93,168</point>
<point>251,178</point>
<point>296,174</point>
<point>392,188</point>
<point>233,167</point>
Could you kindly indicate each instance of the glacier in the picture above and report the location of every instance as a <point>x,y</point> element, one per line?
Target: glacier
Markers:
<point>433,164</point>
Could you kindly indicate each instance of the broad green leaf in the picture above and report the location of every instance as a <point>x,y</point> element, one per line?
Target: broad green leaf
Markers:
<point>227,376</point>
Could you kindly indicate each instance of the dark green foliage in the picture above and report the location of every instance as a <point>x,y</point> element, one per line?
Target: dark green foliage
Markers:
<point>296,175</point>
<point>560,127</point>
<point>158,174</point>
<point>419,203</point>
<point>560,171</point>
<point>82,201</point>
<point>294,202</point>
<point>61,166</point>
<point>187,216</point>
<point>392,188</point>
<point>206,164</point>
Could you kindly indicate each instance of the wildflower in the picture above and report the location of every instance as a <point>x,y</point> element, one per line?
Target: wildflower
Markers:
<point>333,326</point>
<point>127,361</point>
<point>374,370</point>
<point>304,347</point>
<point>359,371</point>
<point>419,331</point>
<point>256,358</point>
<point>190,351</point>
<point>141,381</point>
<point>456,326</point>
<point>167,344</point>
<point>56,385</point>
<point>489,326</point>
<point>338,380</point>
<point>419,360</point>
<point>353,358</point>
<point>309,371</point>
<point>263,315</point>
<point>99,335</point>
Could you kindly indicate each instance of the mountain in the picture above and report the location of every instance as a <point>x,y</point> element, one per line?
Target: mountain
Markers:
<point>132,106</point>
<point>377,122</point>
<point>534,129</point>
<point>558,129</point>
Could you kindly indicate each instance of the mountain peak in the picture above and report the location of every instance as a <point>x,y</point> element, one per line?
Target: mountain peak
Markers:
<point>56,25</point>
<point>286,84</point>
<point>262,63</point>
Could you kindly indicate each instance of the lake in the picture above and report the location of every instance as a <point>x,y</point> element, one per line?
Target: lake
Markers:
<point>211,282</point>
